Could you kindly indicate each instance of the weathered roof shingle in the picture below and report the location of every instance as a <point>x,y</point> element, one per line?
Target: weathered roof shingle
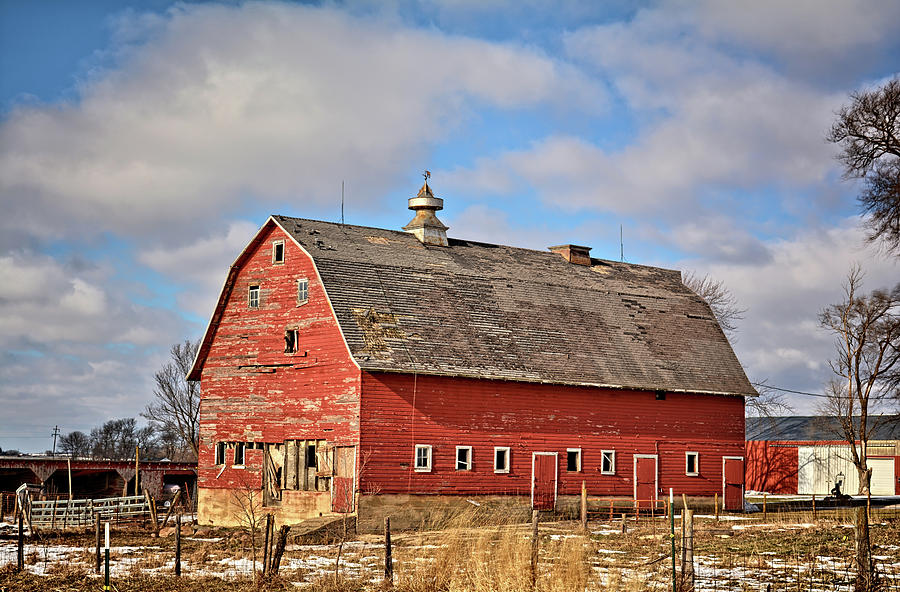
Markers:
<point>493,311</point>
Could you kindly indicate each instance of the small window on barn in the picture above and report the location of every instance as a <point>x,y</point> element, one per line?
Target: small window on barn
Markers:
<point>239,449</point>
<point>278,252</point>
<point>607,462</point>
<point>463,458</point>
<point>692,463</point>
<point>302,291</point>
<point>423,458</point>
<point>220,453</point>
<point>311,456</point>
<point>291,341</point>
<point>501,459</point>
<point>573,459</point>
<point>253,296</point>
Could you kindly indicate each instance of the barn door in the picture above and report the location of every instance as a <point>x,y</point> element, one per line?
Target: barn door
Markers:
<point>543,480</point>
<point>733,482</point>
<point>645,485</point>
<point>343,481</point>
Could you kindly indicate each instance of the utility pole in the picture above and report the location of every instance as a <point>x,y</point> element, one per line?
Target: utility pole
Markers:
<point>55,434</point>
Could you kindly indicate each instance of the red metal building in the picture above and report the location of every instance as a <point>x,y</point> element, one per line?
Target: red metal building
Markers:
<point>348,368</point>
<point>805,455</point>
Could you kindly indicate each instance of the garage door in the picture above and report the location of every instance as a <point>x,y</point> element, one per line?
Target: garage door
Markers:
<point>882,476</point>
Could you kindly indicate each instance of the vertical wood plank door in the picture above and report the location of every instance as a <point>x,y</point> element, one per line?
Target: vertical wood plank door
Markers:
<point>342,492</point>
<point>645,478</point>
<point>543,480</point>
<point>733,483</point>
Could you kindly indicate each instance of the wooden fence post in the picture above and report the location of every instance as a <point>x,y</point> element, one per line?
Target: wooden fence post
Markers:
<point>20,546</point>
<point>97,535</point>
<point>535,549</point>
<point>178,544</point>
<point>584,517</point>
<point>765,507</point>
<point>717,506</point>
<point>266,542</point>
<point>279,547</point>
<point>388,557</point>
<point>815,515</point>
<point>687,550</point>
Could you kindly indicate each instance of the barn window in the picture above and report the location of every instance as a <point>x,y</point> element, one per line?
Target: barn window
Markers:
<point>220,453</point>
<point>423,458</point>
<point>692,463</point>
<point>463,458</point>
<point>253,297</point>
<point>239,448</point>
<point>573,459</point>
<point>302,291</point>
<point>501,459</point>
<point>278,252</point>
<point>291,340</point>
<point>311,456</point>
<point>607,462</point>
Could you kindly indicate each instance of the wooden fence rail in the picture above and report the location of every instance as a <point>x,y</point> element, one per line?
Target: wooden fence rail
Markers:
<point>62,514</point>
<point>601,508</point>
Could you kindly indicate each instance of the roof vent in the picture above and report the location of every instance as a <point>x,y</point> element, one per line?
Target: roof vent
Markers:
<point>425,226</point>
<point>573,253</point>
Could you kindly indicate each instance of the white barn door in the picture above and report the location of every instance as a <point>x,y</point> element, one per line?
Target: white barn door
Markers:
<point>882,476</point>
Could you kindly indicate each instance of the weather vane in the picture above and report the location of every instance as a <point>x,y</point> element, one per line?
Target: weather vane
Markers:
<point>427,175</point>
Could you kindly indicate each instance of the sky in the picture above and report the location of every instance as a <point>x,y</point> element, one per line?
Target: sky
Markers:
<point>142,143</point>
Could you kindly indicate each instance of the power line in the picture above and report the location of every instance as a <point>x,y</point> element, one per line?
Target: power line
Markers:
<point>777,388</point>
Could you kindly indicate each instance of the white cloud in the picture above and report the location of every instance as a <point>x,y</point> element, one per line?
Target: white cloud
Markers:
<point>710,124</point>
<point>277,101</point>
<point>780,338</point>
<point>200,266</point>
<point>815,37</point>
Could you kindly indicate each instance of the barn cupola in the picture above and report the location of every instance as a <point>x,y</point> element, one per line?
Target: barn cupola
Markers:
<point>425,226</point>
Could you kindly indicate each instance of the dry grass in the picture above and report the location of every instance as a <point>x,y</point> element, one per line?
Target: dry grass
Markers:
<point>488,551</point>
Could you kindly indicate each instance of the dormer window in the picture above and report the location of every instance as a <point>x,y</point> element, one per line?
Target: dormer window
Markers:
<point>253,296</point>
<point>302,291</point>
<point>278,252</point>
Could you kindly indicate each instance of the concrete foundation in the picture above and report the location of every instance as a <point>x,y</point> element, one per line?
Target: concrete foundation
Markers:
<point>230,507</point>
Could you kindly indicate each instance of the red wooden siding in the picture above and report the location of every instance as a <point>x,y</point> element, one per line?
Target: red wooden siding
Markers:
<point>771,467</point>
<point>399,411</point>
<point>252,390</point>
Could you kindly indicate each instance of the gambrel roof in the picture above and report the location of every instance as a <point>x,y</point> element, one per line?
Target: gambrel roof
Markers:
<point>492,311</point>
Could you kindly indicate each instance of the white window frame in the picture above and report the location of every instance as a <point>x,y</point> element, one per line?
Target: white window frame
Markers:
<point>612,462</point>
<point>578,469</point>
<point>242,446</point>
<point>508,455</point>
<point>696,471</point>
<point>250,291</point>
<point>305,283</point>
<point>469,464</point>
<point>220,453</point>
<point>428,456</point>
<point>275,244</point>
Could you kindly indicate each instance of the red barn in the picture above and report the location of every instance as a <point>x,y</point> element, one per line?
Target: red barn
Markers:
<point>347,369</point>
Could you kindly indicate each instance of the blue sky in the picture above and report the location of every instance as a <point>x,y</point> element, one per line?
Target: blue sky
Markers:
<point>142,143</point>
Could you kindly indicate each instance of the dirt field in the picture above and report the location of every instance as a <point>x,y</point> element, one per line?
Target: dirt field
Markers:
<point>477,551</point>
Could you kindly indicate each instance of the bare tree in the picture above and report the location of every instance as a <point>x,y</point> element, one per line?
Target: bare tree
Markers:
<point>75,444</point>
<point>868,131</point>
<point>719,298</point>
<point>867,369</point>
<point>176,405</point>
<point>116,439</point>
